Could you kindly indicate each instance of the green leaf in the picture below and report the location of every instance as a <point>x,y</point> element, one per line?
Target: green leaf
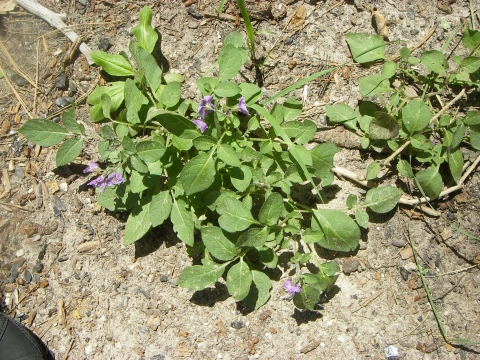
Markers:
<point>322,159</point>
<point>134,99</point>
<point>271,209</point>
<point>171,94</point>
<point>458,135</point>
<point>234,38</point>
<point>150,151</point>
<point>430,181</point>
<point>228,155</point>
<point>365,47</point>
<point>341,232</point>
<point>389,69</point>
<point>198,277</point>
<point>115,91</point>
<point>68,151</point>
<point>138,224</point>
<point>361,217</point>
<point>404,169</point>
<point>160,208</point>
<point>146,35</point>
<point>470,64</point>
<point>291,109</point>
<point>147,63</point>
<point>471,39</point>
<point>198,174</point>
<point>308,297</point>
<point>435,61</point>
<point>253,237</point>
<point>173,122</point>
<point>455,164</point>
<point>472,118</point>
<point>475,137</point>
<point>229,62</point>
<point>241,177</point>
<point>182,220</point>
<point>235,216</point>
<point>218,244</point>
<point>115,65</point>
<point>342,114</point>
<point>351,201</point>
<point>138,165</point>
<point>405,54</point>
<point>415,116</point>
<point>227,89</point>
<point>43,132</point>
<point>259,290</point>
<point>204,142</point>
<point>372,85</point>
<point>301,132</point>
<point>382,199</point>
<point>239,279</point>
<point>383,127</point>
<point>68,119</point>
<point>268,257</point>
<point>251,92</point>
<point>373,169</point>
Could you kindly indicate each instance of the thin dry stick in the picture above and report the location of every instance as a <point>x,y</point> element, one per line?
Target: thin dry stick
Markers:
<point>368,301</point>
<point>15,92</point>
<point>17,69</point>
<point>36,79</point>
<point>452,272</point>
<point>437,115</point>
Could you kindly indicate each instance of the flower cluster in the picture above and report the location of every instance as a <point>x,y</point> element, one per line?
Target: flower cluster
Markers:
<point>206,106</point>
<point>291,288</point>
<point>102,182</point>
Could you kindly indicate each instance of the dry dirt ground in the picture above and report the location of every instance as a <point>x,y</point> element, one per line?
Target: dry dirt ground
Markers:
<point>65,274</point>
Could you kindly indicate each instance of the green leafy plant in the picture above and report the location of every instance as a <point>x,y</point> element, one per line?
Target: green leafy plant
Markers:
<point>401,111</point>
<point>232,176</point>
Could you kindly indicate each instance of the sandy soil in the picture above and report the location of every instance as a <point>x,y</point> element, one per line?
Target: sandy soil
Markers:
<point>63,269</point>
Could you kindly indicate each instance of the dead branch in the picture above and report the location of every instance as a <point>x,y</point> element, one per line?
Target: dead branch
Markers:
<point>55,20</point>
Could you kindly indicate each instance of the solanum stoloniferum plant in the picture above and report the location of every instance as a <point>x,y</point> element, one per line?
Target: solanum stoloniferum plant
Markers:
<point>220,170</point>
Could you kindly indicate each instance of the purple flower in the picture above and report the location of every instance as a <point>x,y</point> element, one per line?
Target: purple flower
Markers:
<point>292,289</point>
<point>202,125</point>
<point>205,106</point>
<point>92,166</point>
<point>99,182</point>
<point>114,179</point>
<point>242,106</point>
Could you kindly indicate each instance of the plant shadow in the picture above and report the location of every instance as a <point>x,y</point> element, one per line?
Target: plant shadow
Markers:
<point>210,296</point>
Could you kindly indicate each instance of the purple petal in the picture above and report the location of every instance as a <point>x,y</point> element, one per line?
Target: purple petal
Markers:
<point>99,182</point>
<point>92,166</point>
<point>205,106</point>
<point>114,179</point>
<point>242,106</point>
<point>292,289</point>
<point>202,125</point>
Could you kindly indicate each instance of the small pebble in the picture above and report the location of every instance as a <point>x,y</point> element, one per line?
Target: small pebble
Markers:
<point>27,276</point>
<point>61,82</point>
<point>64,101</point>
<point>193,25</point>
<point>404,273</point>
<point>193,12</point>
<point>406,253</point>
<point>38,268</point>
<point>237,324</point>
<point>414,32</point>
<point>158,357</point>
<point>17,79</point>
<point>288,41</point>
<point>410,14</point>
<point>163,278</point>
<point>56,201</point>
<point>350,265</point>
<point>104,44</point>
<point>36,278</point>
<point>56,119</point>
<point>398,242</point>
<point>19,172</point>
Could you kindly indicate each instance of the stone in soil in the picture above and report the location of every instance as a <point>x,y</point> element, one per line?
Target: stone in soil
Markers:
<point>64,101</point>
<point>61,82</point>
<point>350,265</point>
<point>104,44</point>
